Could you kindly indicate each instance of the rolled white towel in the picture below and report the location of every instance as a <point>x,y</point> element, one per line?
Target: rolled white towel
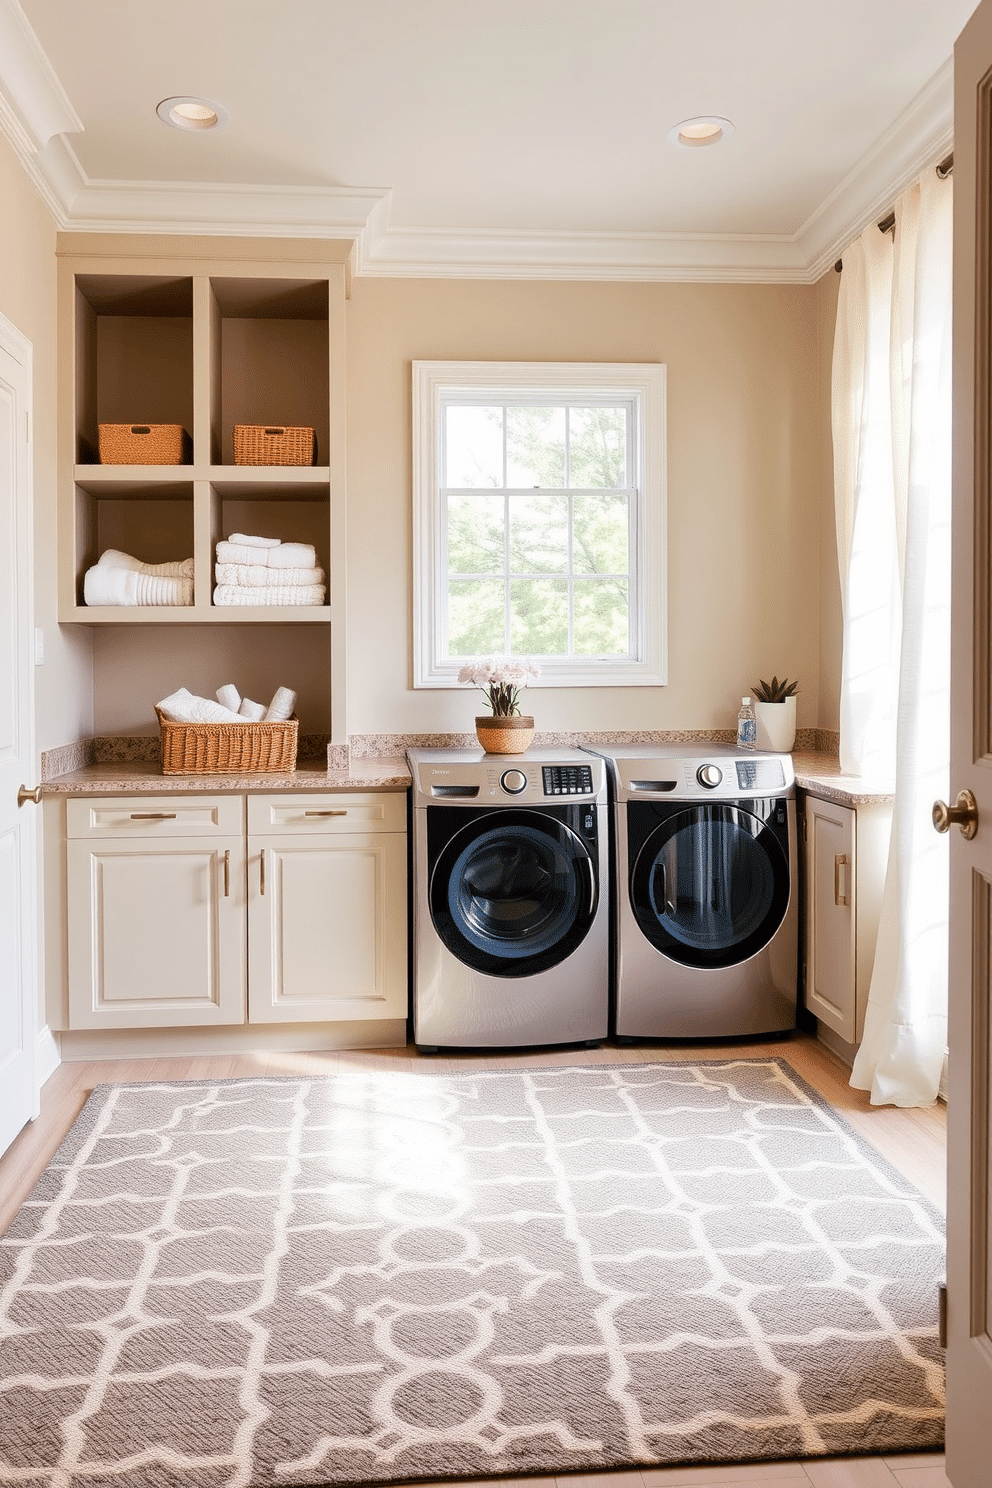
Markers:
<point>177,568</point>
<point>252,712</point>
<point>229,697</point>
<point>281,706</point>
<point>256,574</point>
<point>254,542</point>
<point>184,706</point>
<point>286,555</point>
<point>269,594</point>
<point>124,586</point>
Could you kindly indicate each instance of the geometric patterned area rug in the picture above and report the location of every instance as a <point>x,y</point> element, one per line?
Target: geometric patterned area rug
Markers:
<point>379,1276</point>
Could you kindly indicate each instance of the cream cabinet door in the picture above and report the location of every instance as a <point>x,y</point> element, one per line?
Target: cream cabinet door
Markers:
<point>156,931</point>
<point>831,965</point>
<point>327,927</point>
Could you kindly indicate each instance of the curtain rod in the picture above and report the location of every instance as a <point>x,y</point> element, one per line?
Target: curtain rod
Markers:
<point>888,222</point>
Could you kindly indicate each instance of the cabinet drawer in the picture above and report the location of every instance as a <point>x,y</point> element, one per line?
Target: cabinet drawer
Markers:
<point>155,816</point>
<point>366,811</point>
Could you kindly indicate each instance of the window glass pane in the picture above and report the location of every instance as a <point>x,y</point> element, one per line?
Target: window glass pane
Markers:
<point>475,534</point>
<point>600,534</point>
<point>476,617</point>
<point>473,444</point>
<point>539,617</point>
<point>597,448</point>
<point>538,534</point>
<point>535,447</point>
<point>602,627</point>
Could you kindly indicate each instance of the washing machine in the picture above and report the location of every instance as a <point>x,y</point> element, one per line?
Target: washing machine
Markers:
<point>510,902</point>
<point>706,913</point>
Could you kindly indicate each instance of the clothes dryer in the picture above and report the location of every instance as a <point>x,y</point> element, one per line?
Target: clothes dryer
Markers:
<point>510,912</point>
<point>706,940</point>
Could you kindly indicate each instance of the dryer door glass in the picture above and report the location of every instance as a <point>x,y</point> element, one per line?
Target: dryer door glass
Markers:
<point>513,895</point>
<point>710,886</point>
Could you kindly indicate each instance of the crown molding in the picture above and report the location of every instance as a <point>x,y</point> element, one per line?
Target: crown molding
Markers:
<point>921,136</point>
<point>36,116</point>
<point>32,95</point>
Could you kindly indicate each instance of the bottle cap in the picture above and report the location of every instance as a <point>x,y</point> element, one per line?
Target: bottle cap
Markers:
<point>745,701</point>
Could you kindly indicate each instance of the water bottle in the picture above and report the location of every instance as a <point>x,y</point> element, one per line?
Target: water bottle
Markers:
<point>747,728</point>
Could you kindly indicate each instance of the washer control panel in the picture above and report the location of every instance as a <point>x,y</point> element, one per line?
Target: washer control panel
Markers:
<point>567,780</point>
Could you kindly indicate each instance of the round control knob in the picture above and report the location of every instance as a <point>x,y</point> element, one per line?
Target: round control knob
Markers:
<point>513,781</point>
<point>709,776</point>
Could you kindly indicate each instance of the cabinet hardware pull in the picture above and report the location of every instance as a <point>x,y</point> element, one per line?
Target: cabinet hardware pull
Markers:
<point>964,812</point>
<point>841,860</point>
<point>325,813</point>
<point>261,871</point>
<point>154,815</point>
<point>24,795</point>
<point>227,873</point>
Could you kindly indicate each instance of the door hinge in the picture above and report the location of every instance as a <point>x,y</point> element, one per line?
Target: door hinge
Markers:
<point>942,1314</point>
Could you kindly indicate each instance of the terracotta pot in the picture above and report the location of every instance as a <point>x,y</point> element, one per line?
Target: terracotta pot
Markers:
<point>511,735</point>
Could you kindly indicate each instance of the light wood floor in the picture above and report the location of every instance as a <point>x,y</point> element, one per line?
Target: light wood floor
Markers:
<point>912,1140</point>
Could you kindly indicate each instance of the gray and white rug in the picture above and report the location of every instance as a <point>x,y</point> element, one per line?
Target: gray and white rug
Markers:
<point>368,1277</point>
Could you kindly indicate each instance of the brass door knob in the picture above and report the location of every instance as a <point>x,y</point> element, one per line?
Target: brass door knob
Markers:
<point>964,812</point>
<point>24,795</point>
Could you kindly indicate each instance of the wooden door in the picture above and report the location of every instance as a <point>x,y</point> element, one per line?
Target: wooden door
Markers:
<point>19,1015</point>
<point>969,1254</point>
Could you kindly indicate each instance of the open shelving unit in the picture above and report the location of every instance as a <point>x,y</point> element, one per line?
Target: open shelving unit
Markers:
<point>204,342</point>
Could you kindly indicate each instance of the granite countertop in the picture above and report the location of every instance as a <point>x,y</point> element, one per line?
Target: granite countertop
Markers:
<point>139,777</point>
<point>821,775</point>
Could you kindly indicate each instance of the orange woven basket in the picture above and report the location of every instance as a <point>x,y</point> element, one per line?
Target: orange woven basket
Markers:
<point>228,748</point>
<point>270,444</point>
<point>145,444</point>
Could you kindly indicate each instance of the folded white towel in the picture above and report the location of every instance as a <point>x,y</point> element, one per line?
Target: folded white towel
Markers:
<point>286,555</point>
<point>178,568</point>
<point>125,586</point>
<point>269,594</point>
<point>254,542</point>
<point>281,706</point>
<point>252,712</point>
<point>229,697</point>
<point>251,575</point>
<point>184,706</point>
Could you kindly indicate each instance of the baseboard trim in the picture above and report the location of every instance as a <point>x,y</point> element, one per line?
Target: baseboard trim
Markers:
<point>152,1043</point>
<point>47,1056</point>
<point>837,1045</point>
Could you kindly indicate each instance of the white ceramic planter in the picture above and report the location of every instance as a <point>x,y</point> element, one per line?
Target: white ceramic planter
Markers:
<point>776,725</point>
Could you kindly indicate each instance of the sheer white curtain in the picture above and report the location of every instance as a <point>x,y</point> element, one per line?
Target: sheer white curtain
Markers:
<point>892,458</point>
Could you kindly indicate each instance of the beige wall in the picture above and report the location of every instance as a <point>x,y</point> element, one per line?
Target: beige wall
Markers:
<point>831,619</point>
<point>748,423</point>
<point>27,297</point>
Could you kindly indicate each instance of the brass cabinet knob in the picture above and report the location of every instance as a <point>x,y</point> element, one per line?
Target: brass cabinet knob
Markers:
<point>964,812</point>
<point>24,795</point>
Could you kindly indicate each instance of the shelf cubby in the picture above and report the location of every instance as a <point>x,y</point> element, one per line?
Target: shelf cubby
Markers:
<point>269,350</point>
<point>147,519</point>
<point>134,354</point>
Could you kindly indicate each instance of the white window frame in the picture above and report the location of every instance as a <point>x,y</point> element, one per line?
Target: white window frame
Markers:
<point>642,383</point>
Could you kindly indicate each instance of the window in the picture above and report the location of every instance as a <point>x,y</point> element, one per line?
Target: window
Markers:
<point>539,519</point>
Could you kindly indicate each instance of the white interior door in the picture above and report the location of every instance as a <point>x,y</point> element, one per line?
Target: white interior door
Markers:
<point>18,828</point>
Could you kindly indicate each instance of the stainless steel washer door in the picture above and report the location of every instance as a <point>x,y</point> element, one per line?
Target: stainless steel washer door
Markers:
<point>710,885</point>
<point>513,893</point>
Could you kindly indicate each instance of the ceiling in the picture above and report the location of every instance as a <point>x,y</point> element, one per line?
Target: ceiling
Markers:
<point>528,138</point>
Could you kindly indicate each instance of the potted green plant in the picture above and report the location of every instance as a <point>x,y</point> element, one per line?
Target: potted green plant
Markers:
<point>775,714</point>
<point>504,729</point>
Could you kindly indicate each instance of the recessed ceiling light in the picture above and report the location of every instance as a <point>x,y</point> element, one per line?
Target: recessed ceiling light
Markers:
<point>191,113</point>
<point>706,129</point>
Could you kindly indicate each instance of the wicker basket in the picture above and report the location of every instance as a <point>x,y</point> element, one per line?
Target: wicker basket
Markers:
<point>228,748</point>
<point>145,444</point>
<point>266,444</point>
